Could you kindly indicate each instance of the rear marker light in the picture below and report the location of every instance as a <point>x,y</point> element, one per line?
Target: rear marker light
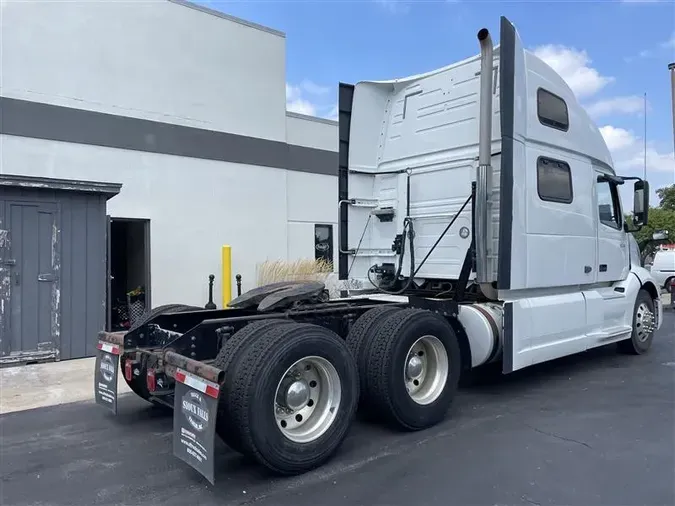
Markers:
<point>127,370</point>
<point>151,380</point>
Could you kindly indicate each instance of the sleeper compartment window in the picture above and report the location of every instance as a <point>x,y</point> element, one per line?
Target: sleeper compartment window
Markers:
<point>554,181</point>
<point>552,110</point>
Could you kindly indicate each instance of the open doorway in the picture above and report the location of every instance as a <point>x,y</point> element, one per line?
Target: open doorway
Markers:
<point>129,271</point>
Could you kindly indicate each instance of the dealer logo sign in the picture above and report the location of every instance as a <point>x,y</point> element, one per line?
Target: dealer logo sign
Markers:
<point>107,368</point>
<point>194,408</point>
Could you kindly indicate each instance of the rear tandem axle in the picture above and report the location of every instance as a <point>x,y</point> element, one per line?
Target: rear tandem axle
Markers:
<point>279,375</point>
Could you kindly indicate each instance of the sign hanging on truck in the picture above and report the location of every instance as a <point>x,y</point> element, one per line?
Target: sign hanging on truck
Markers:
<point>194,421</point>
<point>105,375</point>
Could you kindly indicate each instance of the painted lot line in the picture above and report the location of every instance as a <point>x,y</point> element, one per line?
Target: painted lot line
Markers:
<point>595,429</point>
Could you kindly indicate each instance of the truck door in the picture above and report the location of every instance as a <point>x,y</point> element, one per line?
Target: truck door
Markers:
<point>613,258</point>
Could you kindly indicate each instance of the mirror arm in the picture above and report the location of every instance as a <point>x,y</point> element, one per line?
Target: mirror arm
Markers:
<point>608,178</point>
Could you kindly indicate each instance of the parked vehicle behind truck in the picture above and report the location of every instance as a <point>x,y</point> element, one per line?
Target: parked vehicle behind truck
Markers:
<point>663,267</point>
<point>479,211</point>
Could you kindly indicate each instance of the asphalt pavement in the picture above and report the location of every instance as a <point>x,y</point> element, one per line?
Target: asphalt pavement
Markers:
<point>593,429</point>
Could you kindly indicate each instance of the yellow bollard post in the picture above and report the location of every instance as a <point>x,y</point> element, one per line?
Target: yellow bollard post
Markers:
<point>227,275</point>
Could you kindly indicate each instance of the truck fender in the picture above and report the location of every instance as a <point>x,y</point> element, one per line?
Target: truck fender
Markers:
<point>655,294</point>
<point>649,285</point>
<point>651,288</point>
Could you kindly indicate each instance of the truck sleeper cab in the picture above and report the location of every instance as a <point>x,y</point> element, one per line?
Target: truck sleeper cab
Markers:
<point>551,241</point>
<point>479,222</point>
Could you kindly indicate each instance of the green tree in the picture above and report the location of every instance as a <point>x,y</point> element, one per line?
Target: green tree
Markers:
<point>660,218</point>
<point>667,197</point>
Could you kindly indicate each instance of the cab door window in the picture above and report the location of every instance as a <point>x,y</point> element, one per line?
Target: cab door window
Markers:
<point>609,207</point>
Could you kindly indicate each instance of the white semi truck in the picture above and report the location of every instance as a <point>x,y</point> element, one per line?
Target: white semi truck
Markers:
<point>479,221</point>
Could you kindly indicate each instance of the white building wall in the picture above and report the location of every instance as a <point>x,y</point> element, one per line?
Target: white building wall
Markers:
<point>311,198</point>
<point>167,62</point>
<point>311,132</point>
<point>194,207</point>
<point>153,60</point>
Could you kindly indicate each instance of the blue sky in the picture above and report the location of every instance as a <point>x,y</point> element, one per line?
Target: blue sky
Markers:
<point>610,52</point>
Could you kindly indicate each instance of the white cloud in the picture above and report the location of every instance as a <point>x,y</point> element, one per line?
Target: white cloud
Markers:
<point>333,114</point>
<point>292,92</point>
<point>632,104</point>
<point>310,98</point>
<point>628,152</point>
<point>301,107</point>
<point>295,102</point>
<point>617,138</point>
<point>314,89</point>
<point>573,67</point>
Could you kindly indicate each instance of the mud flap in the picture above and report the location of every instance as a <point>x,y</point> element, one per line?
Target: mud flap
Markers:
<point>105,375</point>
<point>194,421</point>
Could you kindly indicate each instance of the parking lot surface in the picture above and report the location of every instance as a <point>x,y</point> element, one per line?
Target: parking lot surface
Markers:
<point>594,429</point>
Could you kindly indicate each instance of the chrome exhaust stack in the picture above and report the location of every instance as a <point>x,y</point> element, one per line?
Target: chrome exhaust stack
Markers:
<point>483,233</point>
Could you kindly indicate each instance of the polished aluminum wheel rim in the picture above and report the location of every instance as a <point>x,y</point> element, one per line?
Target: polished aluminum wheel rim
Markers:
<point>307,399</point>
<point>426,369</point>
<point>644,322</point>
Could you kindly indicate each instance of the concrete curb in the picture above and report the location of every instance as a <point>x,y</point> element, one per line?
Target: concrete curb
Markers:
<point>49,384</point>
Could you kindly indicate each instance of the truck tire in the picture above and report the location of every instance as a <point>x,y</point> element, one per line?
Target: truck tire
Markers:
<point>668,284</point>
<point>360,335</point>
<point>414,365</point>
<point>137,383</point>
<point>293,398</point>
<point>225,359</point>
<point>643,326</point>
